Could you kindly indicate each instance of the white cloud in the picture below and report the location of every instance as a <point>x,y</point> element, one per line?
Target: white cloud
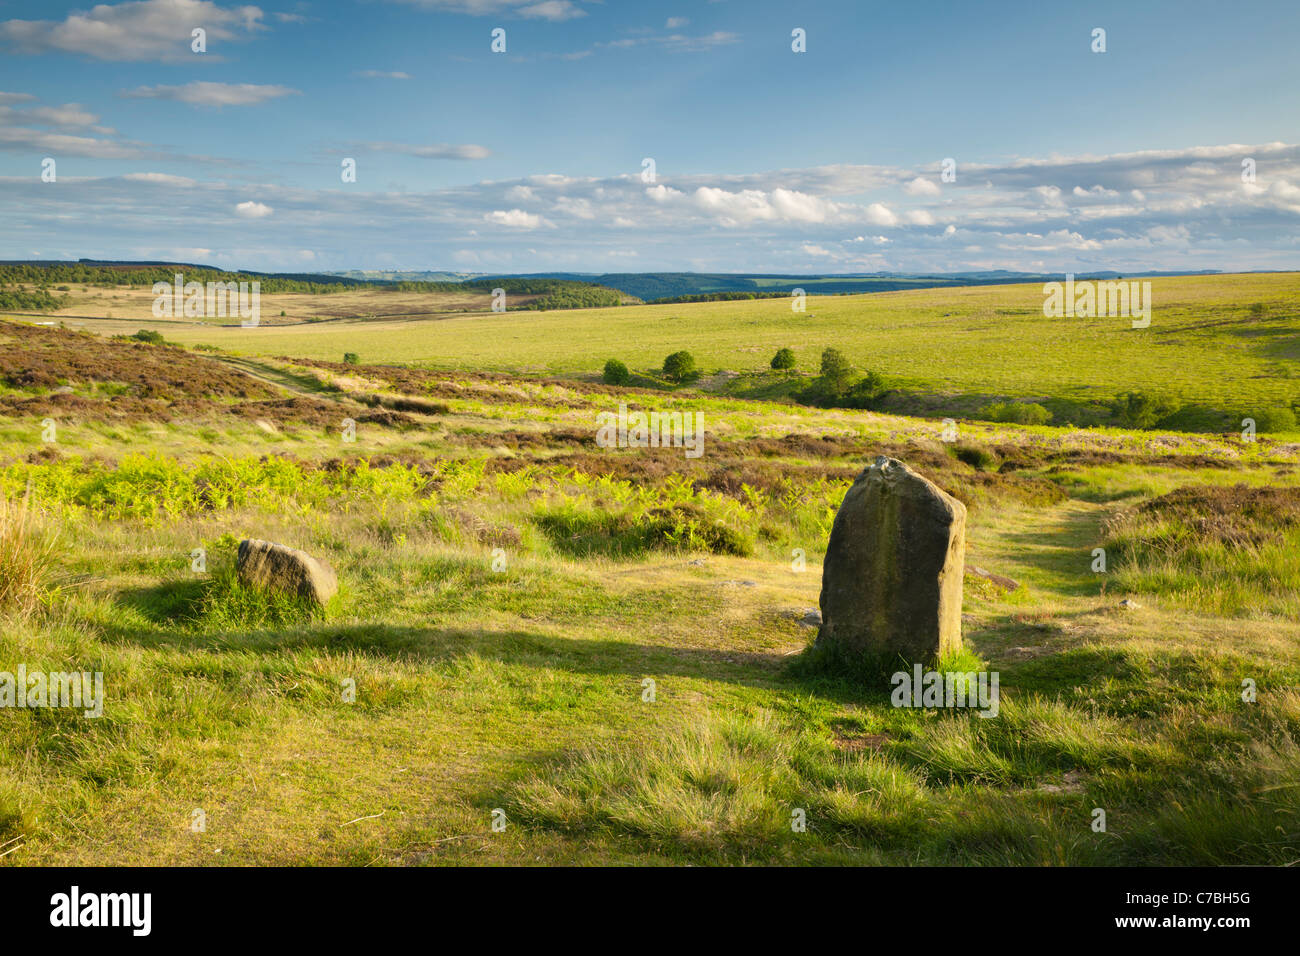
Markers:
<point>578,208</point>
<point>662,193</point>
<point>69,114</point>
<point>19,138</point>
<point>206,93</point>
<point>161,179</point>
<point>733,209</point>
<point>878,214</point>
<point>252,210</point>
<point>920,186</point>
<point>1050,195</point>
<point>1023,215</point>
<point>676,23</point>
<point>514,218</point>
<point>139,30</point>
<point>432,151</point>
<point>676,42</point>
<point>382,75</point>
<point>793,206</point>
<point>553,10</point>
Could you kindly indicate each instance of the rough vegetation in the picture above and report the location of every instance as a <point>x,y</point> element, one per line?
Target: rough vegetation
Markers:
<point>508,587</point>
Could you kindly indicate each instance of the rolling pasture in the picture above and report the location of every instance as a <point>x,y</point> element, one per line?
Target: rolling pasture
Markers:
<point>1205,344</point>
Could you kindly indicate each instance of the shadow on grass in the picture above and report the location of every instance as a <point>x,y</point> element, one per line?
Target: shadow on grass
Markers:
<point>1064,551</point>
<point>444,645</point>
<point>168,602</point>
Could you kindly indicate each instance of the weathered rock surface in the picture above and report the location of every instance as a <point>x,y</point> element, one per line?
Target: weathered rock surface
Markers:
<point>892,578</point>
<point>274,567</point>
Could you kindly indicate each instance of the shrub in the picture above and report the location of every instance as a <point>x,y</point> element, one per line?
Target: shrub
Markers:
<point>1275,420</point>
<point>1018,413</point>
<point>680,367</point>
<point>616,373</point>
<point>981,459</point>
<point>351,358</point>
<point>1139,410</point>
<point>838,387</point>
<point>864,392</point>
<point>151,336</point>
<point>836,373</point>
<point>784,358</point>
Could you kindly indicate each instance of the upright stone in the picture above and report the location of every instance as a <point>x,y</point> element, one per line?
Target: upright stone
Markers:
<point>891,581</point>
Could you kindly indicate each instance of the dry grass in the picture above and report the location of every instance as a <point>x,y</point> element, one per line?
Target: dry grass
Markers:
<point>26,557</point>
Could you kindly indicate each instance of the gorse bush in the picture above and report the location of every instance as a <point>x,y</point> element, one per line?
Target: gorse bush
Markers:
<point>152,336</point>
<point>615,373</point>
<point>680,367</point>
<point>351,358</point>
<point>839,385</point>
<point>1139,410</point>
<point>783,359</point>
<point>1017,413</point>
<point>1274,420</point>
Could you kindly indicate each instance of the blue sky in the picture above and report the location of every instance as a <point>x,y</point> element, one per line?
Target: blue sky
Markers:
<point>766,159</point>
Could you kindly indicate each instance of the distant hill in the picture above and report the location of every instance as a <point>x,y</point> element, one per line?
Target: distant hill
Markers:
<point>645,286</point>
<point>651,286</point>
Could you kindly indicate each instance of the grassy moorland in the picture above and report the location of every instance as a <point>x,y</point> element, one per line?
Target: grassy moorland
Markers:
<point>1204,342</point>
<point>508,588</point>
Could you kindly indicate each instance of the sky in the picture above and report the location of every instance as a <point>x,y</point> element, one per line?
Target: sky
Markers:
<point>1176,148</point>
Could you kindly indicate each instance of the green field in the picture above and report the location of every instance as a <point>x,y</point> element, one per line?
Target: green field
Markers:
<point>1204,345</point>
<point>508,588</point>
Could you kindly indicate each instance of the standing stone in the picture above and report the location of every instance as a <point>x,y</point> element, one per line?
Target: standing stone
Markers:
<point>891,581</point>
<point>273,567</point>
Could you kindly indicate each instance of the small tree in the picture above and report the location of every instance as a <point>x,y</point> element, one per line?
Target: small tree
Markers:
<point>864,392</point>
<point>679,367</point>
<point>1139,410</point>
<point>784,358</point>
<point>152,336</point>
<point>837,373</point>
<point>351,358</point>
<point>616,373</point>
